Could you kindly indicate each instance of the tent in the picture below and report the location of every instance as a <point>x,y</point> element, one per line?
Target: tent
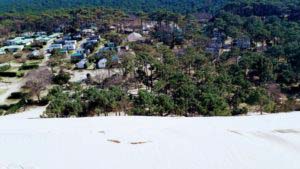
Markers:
<point>133,37</point>
<point>102,63</point>
<point>81,64</point>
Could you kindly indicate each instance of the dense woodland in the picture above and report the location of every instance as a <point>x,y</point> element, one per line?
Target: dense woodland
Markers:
<point>180,76</point>
<point>180,6</point>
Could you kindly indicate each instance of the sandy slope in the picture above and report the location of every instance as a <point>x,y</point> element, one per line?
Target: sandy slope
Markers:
<point>255,142</point>
<point>9,88</point>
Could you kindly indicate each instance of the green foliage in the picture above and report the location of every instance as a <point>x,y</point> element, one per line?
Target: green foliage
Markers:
<point>181,79</point>
<point>260,97</point>
<point>62,78</point>
<point>88,102</point>
<point>182,6</point>
<point>4,68</point>
<point>12,74</point>
<point>29,66</point>
<point>214,105</point>
<point>17,95</point>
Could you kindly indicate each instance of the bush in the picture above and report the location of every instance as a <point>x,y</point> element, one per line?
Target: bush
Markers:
<point>28,48</point>
<point>12,108</point>
<point>239,111</point>
<point>61,78</point>
<point>30,66</point>
<point>17,95</point>
<point>18,55</point>
<point>8,74</point>
<point>15,107</point>
<point>4,68</point>
<point>20,74</point>
<point>32,57</point>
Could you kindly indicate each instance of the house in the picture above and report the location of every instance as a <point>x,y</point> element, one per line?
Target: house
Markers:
<point>70,42</point>
<point>112,27</point>
<point>43,39</point>
<point>215,46</point>
<point>243,43</point>
<point>213,51</point>
<point>228,41</point>
<point>128,30</point>
<point>26,42</point>
<point>110,45</point>
<point>63,52</point>
<point>106,49</point>
<point>67,37</point>
<point>203,17</point>
<point>13,48</point>
<point>55,35</point>
<point>115,59</point>
<point>82,64</point>
<point>35,55</point>
<point>41,34</point>
<point>2,52</point>
<point>77,57</point>
<point>80,50</point>
<point>89,46</point>
<point>55,46</point>
<point>59,41</point>
<point>102,63</point>
<point>88,32</point>
<point>93,41</point>
<point>19,41</point>
<point>134,37</point>
<point>28,34</point>
<point>148,26</point>
<point>77,37</point>
<point>95,37</point>
<point>13,41</point>
<point>69,47</point>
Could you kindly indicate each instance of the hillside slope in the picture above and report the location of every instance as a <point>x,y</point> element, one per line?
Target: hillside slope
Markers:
<point>255,142</point>
<point>182,6</point>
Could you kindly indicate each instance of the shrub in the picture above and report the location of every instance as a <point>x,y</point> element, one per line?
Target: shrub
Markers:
<point>12,108</point>
<point>20,74</point>
<point>8,74</point>
<point>239,111</point>
<point>61,78</point>
<point>18,55</point>
<point>30,66</point>
<point>17,95</point>
<point>15,107</point>
<point>32,57</point>
<point>4,68</point>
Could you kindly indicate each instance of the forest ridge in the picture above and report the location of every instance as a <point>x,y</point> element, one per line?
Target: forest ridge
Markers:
<point>181,6</point>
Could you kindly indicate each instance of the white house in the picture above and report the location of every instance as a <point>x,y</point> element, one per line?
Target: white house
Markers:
<point>55,35</point>
<point>81,64</point>
<point>102,63</point>
<point>70,42</point>
<point>36,53</point>
<point>69,47</point>
<point>88,31</point>
<point>19,41</point>
<point>13,48</point>
<point>40,33</point>
<point>2,52</point>
<point>55,46</point>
